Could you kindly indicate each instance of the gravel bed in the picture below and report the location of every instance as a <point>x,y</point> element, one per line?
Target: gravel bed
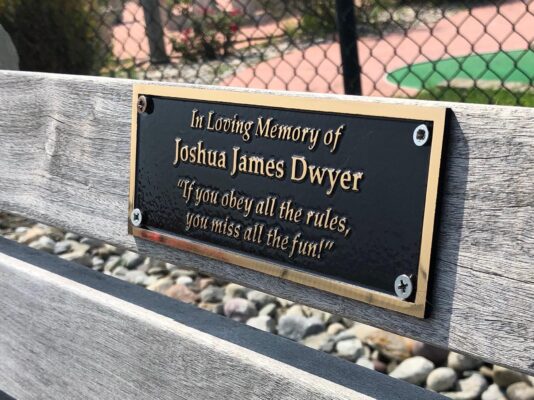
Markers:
<point>454,375</point>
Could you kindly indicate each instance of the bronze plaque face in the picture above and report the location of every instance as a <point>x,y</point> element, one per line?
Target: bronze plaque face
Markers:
<point>335,194</point>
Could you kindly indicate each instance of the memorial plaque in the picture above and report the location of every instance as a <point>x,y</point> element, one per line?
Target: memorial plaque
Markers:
<point>331,193</point>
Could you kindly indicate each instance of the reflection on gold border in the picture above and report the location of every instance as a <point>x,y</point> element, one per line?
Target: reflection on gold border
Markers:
<point>349,105</point>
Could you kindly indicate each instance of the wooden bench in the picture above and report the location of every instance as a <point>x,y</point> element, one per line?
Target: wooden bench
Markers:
<point>69,332</point>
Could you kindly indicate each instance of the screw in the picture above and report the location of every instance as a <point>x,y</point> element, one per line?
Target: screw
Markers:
<point>403,286</point>
<point>136,217</point>
<point>421,135</point>
<point>142,104</point>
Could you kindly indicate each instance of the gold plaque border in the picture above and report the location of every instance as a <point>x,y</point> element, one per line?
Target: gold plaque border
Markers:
<point>321,104</point>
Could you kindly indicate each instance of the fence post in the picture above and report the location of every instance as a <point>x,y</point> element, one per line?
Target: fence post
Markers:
<point>154,31</point>
<point>348,38</point>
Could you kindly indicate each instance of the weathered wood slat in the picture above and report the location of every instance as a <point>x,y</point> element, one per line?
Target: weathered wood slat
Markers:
<point>64,157</point>
<point>68,332</point>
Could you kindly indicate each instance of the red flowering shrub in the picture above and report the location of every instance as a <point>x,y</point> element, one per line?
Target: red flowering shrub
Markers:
<point>211,34</point>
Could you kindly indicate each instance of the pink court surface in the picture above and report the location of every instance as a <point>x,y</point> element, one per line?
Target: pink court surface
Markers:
<point>483,29</point>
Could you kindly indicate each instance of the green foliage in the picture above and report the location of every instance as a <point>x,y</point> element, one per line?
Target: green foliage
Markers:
<point>211,34</point>
<point>120,68</point>
<point>318,18</point>
<point>56,35</point>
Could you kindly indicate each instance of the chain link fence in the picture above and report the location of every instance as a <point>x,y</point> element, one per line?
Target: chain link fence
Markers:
<point>476,51</point>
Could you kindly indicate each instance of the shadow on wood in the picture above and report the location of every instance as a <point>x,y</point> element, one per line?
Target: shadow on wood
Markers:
<point>75,332</point>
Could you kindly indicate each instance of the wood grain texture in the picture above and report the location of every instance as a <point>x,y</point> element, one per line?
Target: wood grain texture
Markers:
<point>64,160</point>
<point>70,333</point>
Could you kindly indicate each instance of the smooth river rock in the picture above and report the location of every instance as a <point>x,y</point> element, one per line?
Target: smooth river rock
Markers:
<point>414,370</point>
<point>212,294</point>
<point>263,322</point>
<point>470,388</point>
<point>461,363</point>
<point>161,285</point>
<point>296,327</point>
<point>239,309</point>
<point>504,377</point>
<point>520,391</point>
<point>350,349</point>
<point>365,362</point>
<point>493,392</point>
<point>182,293</point>
<point>131,259</point>
<point>260,299</point>
<point>320,341</point>
<point>441,379</point>
<point>44,243</point>
<point>235,290</point>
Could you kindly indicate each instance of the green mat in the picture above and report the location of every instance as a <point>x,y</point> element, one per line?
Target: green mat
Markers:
<point>512,66</point>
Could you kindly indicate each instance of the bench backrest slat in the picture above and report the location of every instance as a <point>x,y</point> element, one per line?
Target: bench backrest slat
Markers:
<point>64,160</point>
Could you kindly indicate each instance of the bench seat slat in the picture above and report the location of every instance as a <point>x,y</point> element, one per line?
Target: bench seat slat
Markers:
<point>69,332</point>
